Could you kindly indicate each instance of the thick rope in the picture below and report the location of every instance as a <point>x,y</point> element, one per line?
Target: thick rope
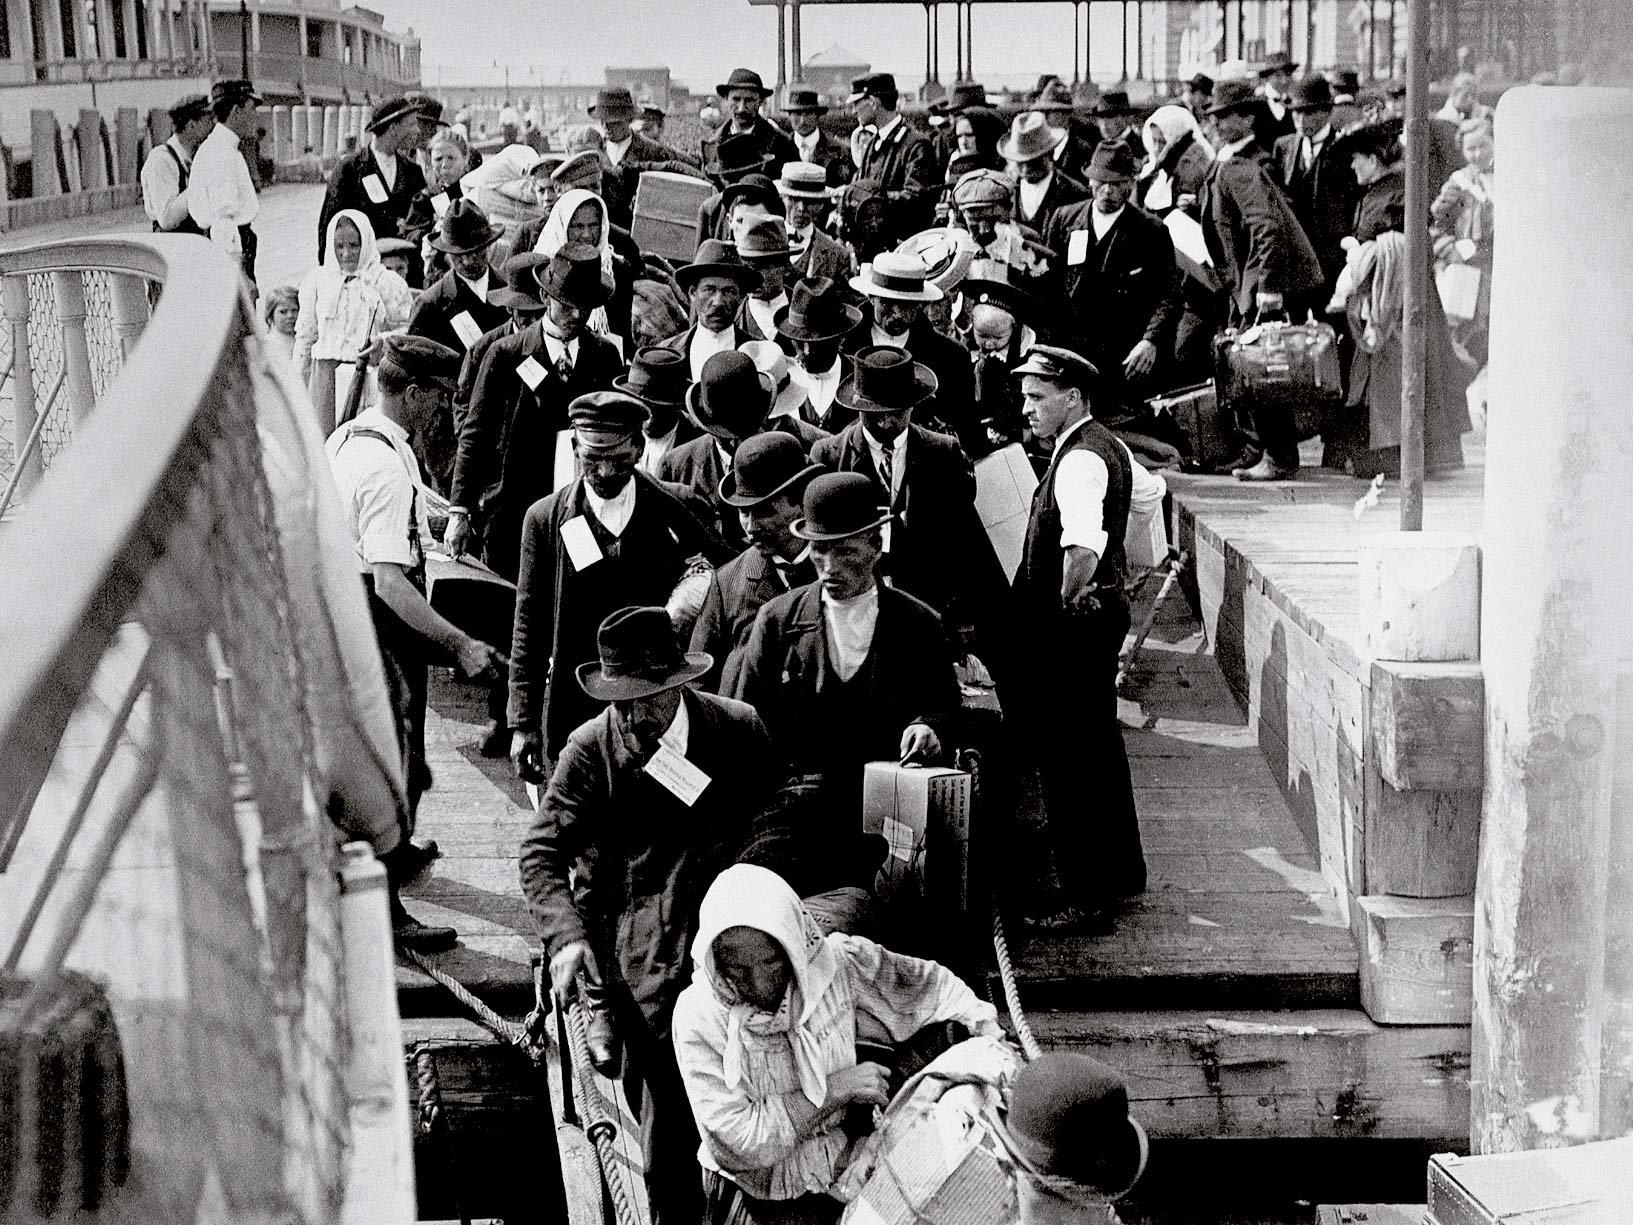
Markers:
<point>1012,994</point>
<point>599,1126</point>
<point>507,1031</point>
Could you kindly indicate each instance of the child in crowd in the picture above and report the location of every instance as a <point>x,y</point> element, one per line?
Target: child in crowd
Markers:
<point>279,309</point>
<point>396,254</point>
<point>345,303</point>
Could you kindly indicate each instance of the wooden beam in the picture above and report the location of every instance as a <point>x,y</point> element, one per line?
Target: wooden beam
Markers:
<point>1417,959</point>
<point>1419,843</point>
<point>1429,724</point>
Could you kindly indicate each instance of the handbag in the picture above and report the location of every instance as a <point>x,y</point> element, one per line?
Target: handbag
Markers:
<point>1288,366</point>
<point>1459,286</point>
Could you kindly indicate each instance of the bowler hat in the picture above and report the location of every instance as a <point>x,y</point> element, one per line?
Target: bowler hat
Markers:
<point>1052,96</point>
<point>764,241</point>
<point>1058,365</point>
<point>763,466</point>
<point>612,102</point>
<point>901,278</point>
<point>871,86</point>
<point>656,376</point>
<point>1231,96</point>
<point>389,111</point>
<point>638,657</point>
<point>1112,161</point>
<point>187,108</point>
<point>235,90</point>
<point>605,418</point>
<point>1030,137</point>
<point>1067,1118</point>
<point>716,258</point>
<point>1201,82</point>
<point>815,311</point>
<point>742,78</point>
<point>754,187</point>
<point>885,379</point>
<point>1345,82</point>
<point>839,505</point>
<point>421,360</point>
<point>573,276</point>
<point>1277,61</point>
<point>520,290</point>
<point>464,228</point>
<point>945,253</point>
<point>1111,104</point>
<point>731,397</point>
<point>803,181</point>
<point>1311,93</point>
<point>803,98</point>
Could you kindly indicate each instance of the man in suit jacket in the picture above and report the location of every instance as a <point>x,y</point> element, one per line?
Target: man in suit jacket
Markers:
<point>455,311</point>
<point>816,323</point>
<point>816,148</point>
<point>1056,104</point>
<point>900,166</point>
<point>519,403</point>
<point>806,200</point>
<point>757,142</point>
<point>654,851</point>
<point>716,282</point>
<point>1318,181</point>
<point>1043,186</point>
<point>935,545</point>
<point>1114,117</point>
<point>1119,278</point>
<point>766,487</point>
<point>382,178</point>
<point>628,152</point>
<point>1272,116</point>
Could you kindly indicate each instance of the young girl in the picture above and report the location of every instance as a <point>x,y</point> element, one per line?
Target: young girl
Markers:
<point>279,309</point>
<point>344,304</point>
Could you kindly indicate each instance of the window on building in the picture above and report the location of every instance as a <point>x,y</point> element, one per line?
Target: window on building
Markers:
<point>314,40</point>
<point>70,31</point>
<point>141,29</point>
<point>121,48</point>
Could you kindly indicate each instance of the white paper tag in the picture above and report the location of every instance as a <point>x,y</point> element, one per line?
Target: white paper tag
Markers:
<point>1077,247</point>
<point>582,549</point>
<point>679,777</point>
<point>900,838</point>
<point>531,373</point>
<point>440,203</point>
<point>374,189</point>
<point>468,330</point>
<point>884,534</point>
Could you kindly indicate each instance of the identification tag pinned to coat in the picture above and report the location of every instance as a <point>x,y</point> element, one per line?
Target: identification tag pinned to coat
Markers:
<point>374,189</point>
<point>440,203</point>
<point>582,550</point>
<point>1077,247</point>
<point>678,776</point>
<point>531,373</point>
<point>467,329</point>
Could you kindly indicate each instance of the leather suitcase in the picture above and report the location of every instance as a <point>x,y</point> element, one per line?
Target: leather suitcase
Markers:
<point>1293,367</point>
<point>666,206</point>
<point>1206,431</point>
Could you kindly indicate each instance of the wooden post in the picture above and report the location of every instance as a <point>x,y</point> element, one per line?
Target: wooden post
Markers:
<point>1552,1055</point>
<point>76,349</point>
<point>130,309</point>
<point>14,301</point>
<point>1414,330</point>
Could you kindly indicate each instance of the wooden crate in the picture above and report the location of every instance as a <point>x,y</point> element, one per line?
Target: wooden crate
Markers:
<point>666,208</point>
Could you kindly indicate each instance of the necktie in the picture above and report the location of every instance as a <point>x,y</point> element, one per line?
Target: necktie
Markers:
<point>886,459</point>
<point>564,366</point>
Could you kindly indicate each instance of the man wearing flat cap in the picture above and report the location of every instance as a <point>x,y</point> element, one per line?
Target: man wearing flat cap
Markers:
<point>660,788</point>
<point>628,152</point>
<point>1119,278</point>
<point>1069,593</point>
<point>381,179</point>
<point>520,399</point>
<point>900,166</point>
<point>609,538</point>
<point>377,475</point>
<point>755,139</point>
<point>168,167</point>
<point>221,197</point>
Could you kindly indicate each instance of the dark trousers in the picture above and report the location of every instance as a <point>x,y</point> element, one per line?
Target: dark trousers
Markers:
<point>408,678</point>
<point>247,237</point>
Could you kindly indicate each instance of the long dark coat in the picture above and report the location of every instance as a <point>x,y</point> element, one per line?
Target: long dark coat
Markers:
<point>346,190</point>
<point>738,591</point>
<point>1257,244</point>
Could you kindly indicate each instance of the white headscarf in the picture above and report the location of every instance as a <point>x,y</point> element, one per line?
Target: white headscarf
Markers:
<point>554,235</point>
<point>368,260</point>
<point>341,311</point>
<point>1173,122</point>
<point>745,895</point>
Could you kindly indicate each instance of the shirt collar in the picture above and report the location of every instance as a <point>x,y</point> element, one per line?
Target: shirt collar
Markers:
<point>677,737</point>
<point>375,419</point>
<point>898,445</point>
<point>479,288</point>
<point>808,142</point>
<point>884,132</point>
<point>621,146</point>
<point>881,337</point>
<point>618,502</point>
<point>1236,146</point>
<point>1104,221</point>
<point>1321,137</point>
<point>181,150</point>
<point>1070,430</point>
<point>381,159</point>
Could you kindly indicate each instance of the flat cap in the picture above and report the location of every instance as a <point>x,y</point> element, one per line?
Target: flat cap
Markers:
<point>420,360</point>
<point>188,107</point>
<point>583,167</point>
<point>983,187</point>
<point>606,418</point>
<point>1058,364</point>
<point>234,89</point>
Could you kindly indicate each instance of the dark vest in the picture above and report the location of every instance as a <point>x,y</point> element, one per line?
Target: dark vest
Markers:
<point>1037,582</point>
<point>186,225</point>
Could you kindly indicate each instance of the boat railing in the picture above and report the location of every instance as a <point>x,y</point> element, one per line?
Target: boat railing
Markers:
<point>178,721</point>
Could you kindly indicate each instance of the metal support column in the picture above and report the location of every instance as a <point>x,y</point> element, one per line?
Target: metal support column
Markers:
<point>929,74</point>
<point>1241,29</point>
<point>1372,40</point>
<point>782,51</point>
<point>1125,39</point>
<point>1289,43</point>
<point>1139,40</point>
<point>969,42</point>
<point>1077,41</point>
<point>1390,30</point>
<point>1414,331</point>
<point>795,55</point>
<point>935,58</point>
<point>1224,30</point>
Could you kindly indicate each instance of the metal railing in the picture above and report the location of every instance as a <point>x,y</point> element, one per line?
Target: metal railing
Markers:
<point>186,696</point>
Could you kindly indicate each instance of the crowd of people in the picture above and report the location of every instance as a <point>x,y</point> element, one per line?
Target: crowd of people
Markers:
<point>736,497</point>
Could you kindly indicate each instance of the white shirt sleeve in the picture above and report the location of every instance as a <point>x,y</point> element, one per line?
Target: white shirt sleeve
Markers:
<point>163,200</point>
<point>372,479</point>
<point>1080,493</point>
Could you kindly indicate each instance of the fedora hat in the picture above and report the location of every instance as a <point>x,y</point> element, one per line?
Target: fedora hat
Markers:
<point>1112,104</point>
<point>1067,1118</point>
<point>1231,96</point>
<point>1113,161</point>
<point>1030,137</point>
<point>965,94</point>
<point>638,657</point>
<point>885,379</point>
<point>716,258</point>
<point>1052,96</point>
<point>520,290</point>
<point>742,78</point>
<point>944,251</point>
<point>612,102</point>
<point>764,466</point>
<point>803,98</point>
<point>732,398</point>
<point>573,276</point>
<point>771,361</point>
<point>803,181</point>
<point>389,111</point>
<point>1277,61</point>
<point>901,278</point>
<point>989,285</point>
<point>656,376</point>
<point>816,311</point>
<point>765,240</point>
<point>464,228</point>
<point>1311,93</point>
<point>838,505</point>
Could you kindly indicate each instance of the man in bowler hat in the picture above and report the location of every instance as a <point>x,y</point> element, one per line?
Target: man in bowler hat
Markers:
<point>804,109</point>
<point>381,179</point>
<point>755,137</point>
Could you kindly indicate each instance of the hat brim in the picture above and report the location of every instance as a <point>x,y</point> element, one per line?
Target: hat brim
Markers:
<point>510,299</point>
<point>621,383</point>
<point>1124,1166</point>
<point>801,528</point>
<point>588,302</point>
<point>1007,150</point>
<point>689,274</point>
<point>1271,71</point>
<point>816,108</point>
<point>710,426</point>
<point>725,87</point>
<point>853,319</point>
<point>604,688</point>
<point>797,192</point>
<point>925,386</point>
<point>862,285</point>
<point>440,244</point>
<point>385,121</point>
<point>730,496</point>
<point>1225,108</point>
<point>948,277</point>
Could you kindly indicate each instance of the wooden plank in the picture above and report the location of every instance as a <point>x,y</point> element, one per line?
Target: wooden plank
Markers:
<point>1429,724</point>
<point>1370,1214</point>
<point>1419,843</point>
<point>1417,959</point>
<point>1325,1073</point>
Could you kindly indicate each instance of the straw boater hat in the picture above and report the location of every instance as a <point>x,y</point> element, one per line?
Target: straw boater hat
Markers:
<point>945,252</point>
<point>742,78</point>
<point>885,379</point>
<point>816,312</point>
<point>464,228</point>
<point>717,258</point>
<point>731,397</point>
<point>1067,1123</point>
<point>900,278</point>
<point>638,657</point>
<point>803,181</point>
<point>764,466</point>
<point>1030,137</point>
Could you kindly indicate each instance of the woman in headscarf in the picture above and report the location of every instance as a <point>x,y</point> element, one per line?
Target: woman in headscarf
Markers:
<point>345,302</point>
<point>1177,157</point>
<point>581,216</point>
<point>766,1038</point>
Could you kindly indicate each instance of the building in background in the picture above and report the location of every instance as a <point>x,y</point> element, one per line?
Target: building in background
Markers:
<point>831,72</point>
<point>313,50</point>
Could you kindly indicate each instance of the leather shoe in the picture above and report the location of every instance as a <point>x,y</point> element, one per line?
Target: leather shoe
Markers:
<point>409,933</point>
<point>606,1051</point>
<point>409,858</point>
<point>1266,469</point>
<point>1245,460</point>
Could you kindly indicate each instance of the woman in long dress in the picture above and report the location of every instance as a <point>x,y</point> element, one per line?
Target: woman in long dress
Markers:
<point>1463,213</point>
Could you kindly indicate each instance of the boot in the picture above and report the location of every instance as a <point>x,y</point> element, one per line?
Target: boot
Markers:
<point>409,933</point>
<point>1266,469</point>
<point>606,1051</point>
<point>408,859</point>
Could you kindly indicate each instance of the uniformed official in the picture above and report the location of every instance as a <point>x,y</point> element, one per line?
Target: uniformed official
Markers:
<point>169,166</point>
<point>1070,598</point>
<point>221,197</point>
<point>378,477</point>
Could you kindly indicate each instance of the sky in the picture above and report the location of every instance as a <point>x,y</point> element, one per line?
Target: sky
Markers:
<point>702,40</point>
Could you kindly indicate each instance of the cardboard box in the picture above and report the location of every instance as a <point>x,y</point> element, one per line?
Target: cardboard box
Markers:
<point>923,812</point>
<point>937,1170</point>
<point>1004,484</point>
